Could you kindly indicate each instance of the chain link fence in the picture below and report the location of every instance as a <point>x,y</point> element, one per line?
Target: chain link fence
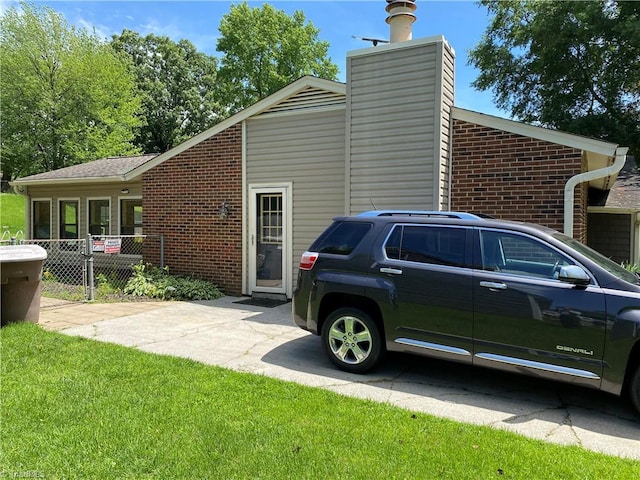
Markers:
<point>112,258</point>
<point>74,269</point>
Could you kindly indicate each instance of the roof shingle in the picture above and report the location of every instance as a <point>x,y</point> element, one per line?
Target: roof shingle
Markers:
<point>625,193</point>
<point>103,168</point>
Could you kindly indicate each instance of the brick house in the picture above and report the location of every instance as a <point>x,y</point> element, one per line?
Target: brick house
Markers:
<point>614,221</point>
<point>239,203</point>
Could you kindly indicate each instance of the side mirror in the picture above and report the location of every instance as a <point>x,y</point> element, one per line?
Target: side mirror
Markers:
<point>574,274</point>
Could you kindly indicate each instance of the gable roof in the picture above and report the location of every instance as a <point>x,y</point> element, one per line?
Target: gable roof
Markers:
<point>540,133</point>
<point>110,169</point>
<point>598,154</point>
<point>305,93</point>
<point>625,192</point>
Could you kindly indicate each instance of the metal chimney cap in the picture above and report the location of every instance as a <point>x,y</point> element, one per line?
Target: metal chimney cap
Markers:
<point>408,4</point>
<point>400,18</point>
<point>400,14</point>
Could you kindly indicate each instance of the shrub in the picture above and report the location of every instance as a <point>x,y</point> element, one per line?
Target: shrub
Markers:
<point>106,285</point>
<point>49,276</point>
<point>155,282</point>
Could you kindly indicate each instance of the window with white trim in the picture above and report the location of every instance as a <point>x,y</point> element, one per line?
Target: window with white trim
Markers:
<point>41,219</point>
<point>270,226</point>
<point>99,216</point>
<point>68,219</point>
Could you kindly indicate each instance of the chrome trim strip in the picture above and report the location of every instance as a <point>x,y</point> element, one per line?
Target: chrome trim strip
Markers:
<point>420,213</point>
<point>538,365</point>
<point>432,346</point>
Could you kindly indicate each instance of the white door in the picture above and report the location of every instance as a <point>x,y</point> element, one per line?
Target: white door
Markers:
<point>268,247</point>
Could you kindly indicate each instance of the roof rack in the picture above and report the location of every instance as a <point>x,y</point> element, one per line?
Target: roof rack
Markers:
<point>421,213</point>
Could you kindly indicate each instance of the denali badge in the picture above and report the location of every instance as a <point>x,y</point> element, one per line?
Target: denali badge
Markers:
<point>574,350</point>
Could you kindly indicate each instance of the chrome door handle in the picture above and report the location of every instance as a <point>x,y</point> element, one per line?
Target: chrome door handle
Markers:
<point>494,285</point>
<point>392,271</point>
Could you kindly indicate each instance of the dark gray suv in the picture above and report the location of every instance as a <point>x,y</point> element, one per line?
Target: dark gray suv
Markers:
<point>456,286</point>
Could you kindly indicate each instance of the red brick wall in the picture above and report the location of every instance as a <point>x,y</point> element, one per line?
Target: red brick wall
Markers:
<point>181,198</point>
<point>513,177</point>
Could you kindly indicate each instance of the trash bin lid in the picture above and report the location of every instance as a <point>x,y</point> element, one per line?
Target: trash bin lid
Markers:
<point>21,253</point>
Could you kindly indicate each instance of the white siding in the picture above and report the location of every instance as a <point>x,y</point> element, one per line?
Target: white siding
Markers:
<point>307,150</point>
<point>395,121</point>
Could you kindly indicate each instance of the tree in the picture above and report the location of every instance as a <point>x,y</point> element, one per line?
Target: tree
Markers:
<point>571,65</point>
<point>264,49</point>
<point>178,88</point>
<point>65,97</point>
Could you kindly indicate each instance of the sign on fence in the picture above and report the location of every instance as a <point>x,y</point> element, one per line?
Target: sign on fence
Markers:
<point>109,245</point>
<point>112,245</point>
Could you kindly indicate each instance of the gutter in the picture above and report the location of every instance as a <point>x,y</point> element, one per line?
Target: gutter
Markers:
<point>70,181</point>
<point>620,159</point>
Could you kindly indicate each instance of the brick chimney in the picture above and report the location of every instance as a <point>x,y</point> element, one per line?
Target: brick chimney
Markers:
<point>400,19</point>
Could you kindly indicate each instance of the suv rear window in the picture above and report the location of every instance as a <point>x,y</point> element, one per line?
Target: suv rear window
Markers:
<point>341,238</point>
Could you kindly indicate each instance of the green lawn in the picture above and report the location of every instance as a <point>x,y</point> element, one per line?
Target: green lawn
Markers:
<point>11,214</point>
<point>74,408</point>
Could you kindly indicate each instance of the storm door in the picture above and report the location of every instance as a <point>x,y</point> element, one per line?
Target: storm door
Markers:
<point>268,233</point>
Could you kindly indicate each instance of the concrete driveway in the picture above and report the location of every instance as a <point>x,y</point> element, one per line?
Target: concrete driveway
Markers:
<point>265,341</point>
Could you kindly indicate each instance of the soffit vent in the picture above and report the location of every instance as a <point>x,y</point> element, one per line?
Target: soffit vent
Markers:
<point>309,98</point>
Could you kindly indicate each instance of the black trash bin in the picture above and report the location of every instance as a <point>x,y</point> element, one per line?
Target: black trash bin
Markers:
<point>20,280</point>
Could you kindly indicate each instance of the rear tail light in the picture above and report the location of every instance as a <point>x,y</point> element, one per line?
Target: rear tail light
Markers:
<point>308,260</point>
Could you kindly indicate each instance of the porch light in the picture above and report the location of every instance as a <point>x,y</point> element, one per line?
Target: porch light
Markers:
<point>224,211</point>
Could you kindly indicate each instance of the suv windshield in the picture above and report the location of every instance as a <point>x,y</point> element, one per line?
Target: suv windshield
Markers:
<point>606,263</point>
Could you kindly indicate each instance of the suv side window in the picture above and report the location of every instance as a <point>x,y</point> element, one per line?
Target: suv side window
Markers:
<point>342,238</point>
<point>519,255</point>
<point>427,244</point>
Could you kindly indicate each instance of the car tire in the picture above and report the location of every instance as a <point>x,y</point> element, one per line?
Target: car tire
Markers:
<point>352,340</point>
<point>634,389</point>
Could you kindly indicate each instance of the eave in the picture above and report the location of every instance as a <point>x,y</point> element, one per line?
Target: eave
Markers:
<point>597,153</point>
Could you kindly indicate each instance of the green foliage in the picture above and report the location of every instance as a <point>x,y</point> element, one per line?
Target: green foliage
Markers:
<point>178,88</point>
<point>155,282</point>
<point>189,288</point>
<point>633,268</point>
<point>49,276</point>
<point>106,284</point>
<point>265,49</point>
<point>570,65</point>
<point>148,281</point>
<point>67,98</point>
<point>76,408</point>
<point>12,213</point>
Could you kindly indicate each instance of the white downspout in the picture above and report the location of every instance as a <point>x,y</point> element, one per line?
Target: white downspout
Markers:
<point>635,248</point>
<point>621,157</point>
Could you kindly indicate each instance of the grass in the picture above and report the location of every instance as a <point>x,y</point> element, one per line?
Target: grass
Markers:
<point>75,408</point>
<point>11,214</point>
